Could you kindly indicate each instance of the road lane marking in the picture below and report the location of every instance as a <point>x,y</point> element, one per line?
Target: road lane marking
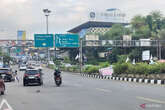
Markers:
<point>4,101</point>
<point>151,100</point>
<point>103,90</point>
<point>77,85</point>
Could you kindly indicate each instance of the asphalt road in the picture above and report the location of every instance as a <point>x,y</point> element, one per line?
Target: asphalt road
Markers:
<point>82,93</point>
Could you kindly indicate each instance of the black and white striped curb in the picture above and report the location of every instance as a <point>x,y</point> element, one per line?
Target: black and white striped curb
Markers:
<point>138,80</point>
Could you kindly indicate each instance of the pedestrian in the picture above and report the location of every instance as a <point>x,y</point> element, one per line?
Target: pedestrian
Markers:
<point>15,75</point>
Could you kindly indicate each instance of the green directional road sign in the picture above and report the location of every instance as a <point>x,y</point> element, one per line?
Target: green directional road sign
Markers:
<point>43,40</point>
<point>66,40</point>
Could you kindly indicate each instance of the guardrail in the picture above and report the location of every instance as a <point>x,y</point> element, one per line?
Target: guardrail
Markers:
<point>93,43</point>
<point>123,43</point>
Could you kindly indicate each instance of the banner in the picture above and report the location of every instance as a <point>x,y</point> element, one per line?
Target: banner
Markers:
<point>146,55</point>
<point>21,35</point>
<point>106,71</point>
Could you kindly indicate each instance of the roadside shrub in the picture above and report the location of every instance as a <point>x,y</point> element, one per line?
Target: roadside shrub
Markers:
<point>91,69</point>
<point>131,69</point>
<point>120,68</point>
<point>51,66</point>
<point>141,68</point>
<point>104,64</point>
<point>162,68</point>
<point>66,60</point>
<point>154,69</point>
<point>122,58</point>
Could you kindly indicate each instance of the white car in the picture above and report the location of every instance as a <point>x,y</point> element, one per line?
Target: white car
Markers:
<point>22,67</point>
<point>38,66</point>
<point>51,63</point>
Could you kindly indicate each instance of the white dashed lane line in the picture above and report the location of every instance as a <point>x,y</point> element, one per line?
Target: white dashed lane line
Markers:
<point>151,100</point>
<point>103,90</point>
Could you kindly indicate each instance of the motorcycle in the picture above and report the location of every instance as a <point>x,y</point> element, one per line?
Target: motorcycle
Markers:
<point>58,80</point>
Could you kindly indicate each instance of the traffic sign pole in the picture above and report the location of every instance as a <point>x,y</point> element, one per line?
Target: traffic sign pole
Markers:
<point>81,60</point>
<point>55,47</point>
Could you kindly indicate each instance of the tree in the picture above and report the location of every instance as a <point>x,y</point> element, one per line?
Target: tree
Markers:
<point>149,21</point>
<point>72,54</point>
<point>115,33</point>
<point>135,54</point>
<point>156,15</point>
<point>6,59</point>
<point>142,32</point>
<point>162,34</point>
<point>156,19</point>
<point>137,22</point>
<point>140,27</point>
<point>112,58</point>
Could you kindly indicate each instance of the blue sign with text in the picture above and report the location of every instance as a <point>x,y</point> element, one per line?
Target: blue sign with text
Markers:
<point>66,40</point>
<point>43,40</point>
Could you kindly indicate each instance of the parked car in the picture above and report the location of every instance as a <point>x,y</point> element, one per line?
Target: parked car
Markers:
<point>6,74</point>
<point>2,86</point>
<point>32,76</point>
<point>22,67</point>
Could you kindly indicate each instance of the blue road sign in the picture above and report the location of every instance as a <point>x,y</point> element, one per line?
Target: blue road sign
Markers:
<point>66,40</point>
<point>43,40</point>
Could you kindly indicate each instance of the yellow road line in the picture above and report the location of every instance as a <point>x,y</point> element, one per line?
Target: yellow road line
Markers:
<point>151,100</point>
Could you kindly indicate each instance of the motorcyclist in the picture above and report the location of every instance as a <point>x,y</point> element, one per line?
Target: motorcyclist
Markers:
<point>57,72</point>
<point>57,77</point>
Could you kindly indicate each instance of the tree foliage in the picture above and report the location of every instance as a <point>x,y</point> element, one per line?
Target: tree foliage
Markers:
<point>162,34</point>
<point>135,54</point>
<point>147,26</point>
<point>115,33</point>
<point>137,22</point>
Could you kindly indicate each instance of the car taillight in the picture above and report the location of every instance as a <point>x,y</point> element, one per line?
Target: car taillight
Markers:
<point>38,75</point>
<point>25,75</point>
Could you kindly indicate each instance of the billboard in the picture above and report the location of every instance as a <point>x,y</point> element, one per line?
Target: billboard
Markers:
<point>66,40</point>
<point>21,35</point>
<point>110,15</point>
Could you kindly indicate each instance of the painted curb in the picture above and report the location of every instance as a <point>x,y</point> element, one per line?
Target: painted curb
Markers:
<point>146,81</point>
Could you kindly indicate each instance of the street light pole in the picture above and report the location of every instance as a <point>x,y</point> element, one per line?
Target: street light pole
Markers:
<point>47,24</point>
<point>47,12</point>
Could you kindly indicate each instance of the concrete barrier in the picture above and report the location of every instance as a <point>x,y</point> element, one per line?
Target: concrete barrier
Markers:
<point>159,82</point>
<point>134,80</point>
<point>152,81</point>
<point>130,79</point>
<point>146,81</point>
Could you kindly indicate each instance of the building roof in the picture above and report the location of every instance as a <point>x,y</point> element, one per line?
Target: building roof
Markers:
<point>93,24</point>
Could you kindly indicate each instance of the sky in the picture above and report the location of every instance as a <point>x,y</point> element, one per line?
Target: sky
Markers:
<point>65,14</point>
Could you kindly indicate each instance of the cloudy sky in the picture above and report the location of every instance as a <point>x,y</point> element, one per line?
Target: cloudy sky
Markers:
<point>66,14</point>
